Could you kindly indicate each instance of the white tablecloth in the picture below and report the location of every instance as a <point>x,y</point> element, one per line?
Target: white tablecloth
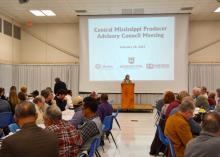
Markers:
<point>66,115</point>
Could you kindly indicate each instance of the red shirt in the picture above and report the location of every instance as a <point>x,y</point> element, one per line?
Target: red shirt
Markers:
<point>70,139</point>
<point>172,105</point>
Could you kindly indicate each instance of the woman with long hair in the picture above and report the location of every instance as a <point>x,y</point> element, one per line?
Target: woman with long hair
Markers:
<point>13,100</point>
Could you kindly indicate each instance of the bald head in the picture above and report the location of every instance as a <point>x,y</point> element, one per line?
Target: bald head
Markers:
<point>25,113</point>
<point>25,109</point>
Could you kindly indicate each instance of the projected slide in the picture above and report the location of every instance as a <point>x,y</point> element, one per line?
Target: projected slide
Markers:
<point>141,47</point>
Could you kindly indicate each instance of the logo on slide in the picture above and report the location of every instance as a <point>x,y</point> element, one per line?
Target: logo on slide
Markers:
<point>98,66</point>
<point>149,66</point>
<point>157,66</point>
<point>131,60</point>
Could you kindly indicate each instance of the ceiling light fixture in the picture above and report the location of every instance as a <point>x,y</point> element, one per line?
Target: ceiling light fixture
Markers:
<point>48,12</point>
<point>37,13</point>
<point>217,10</point>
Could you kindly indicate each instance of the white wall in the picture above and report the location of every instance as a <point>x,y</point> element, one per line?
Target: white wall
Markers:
<point>64,43</point>
<point>9,46</point>
<point>50,43</point>
<point>66,38</point>
<point>202,36</point>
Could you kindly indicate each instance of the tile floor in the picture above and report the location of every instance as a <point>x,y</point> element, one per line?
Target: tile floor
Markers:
<point>134,138</point>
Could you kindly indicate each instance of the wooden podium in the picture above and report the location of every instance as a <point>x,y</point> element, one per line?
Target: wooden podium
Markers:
<point>127,95</point>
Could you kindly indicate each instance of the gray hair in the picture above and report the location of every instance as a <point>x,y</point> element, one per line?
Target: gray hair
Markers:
<point>53,113</point>
<point>217,108</point>
<point>211,122</point>
<point>38,99</point>
<point>202,102</point>
<point>186,105</point>
<point>25,109</point>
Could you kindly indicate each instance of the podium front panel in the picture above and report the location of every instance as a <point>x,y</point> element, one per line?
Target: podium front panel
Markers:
<point>127,95</point>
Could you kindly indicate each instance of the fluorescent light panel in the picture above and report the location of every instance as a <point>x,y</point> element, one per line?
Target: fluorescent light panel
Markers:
<point>48,12</point>
<point>37,12</point>
<point>43,12</point>
<point>217,10</point>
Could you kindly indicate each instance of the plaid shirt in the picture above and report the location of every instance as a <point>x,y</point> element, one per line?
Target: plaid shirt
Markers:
<point>89,129</point>
<point>70,139</point>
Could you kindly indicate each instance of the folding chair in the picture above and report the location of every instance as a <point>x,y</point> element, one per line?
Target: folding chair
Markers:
<point>115,114</point>
<point>107,127</point>
<point>6,118</point>
<point>13,127</point>
<point>172,150</point>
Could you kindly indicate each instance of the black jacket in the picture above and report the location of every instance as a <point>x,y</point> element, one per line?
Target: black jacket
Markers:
<point>59,86</point>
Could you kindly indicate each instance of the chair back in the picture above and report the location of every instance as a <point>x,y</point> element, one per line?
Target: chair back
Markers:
<point>98,143</point>
<point>172,150</point>
<point>162,137</point>
<point>93,147</point>
<point>6,118</point>
<point>13,127</point>
<point>115,114</point>
<point>107,123</point>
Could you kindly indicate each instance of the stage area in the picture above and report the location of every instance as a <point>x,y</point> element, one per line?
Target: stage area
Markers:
<point>137,108</point>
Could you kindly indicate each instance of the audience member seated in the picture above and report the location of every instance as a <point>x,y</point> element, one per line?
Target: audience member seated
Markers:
<point>157,146</point>
<point>195,127</point>
<point>69,138</point>
<point>104,109</point>
<point>94,95</point>
<point>13,88</point>
<point>202,102</point>
<point>51,91</point>
<point>217,108</point>
<point>59,85</point>
<point>68,98</point>
<point>211,100</point>
<point>4,106</point>
<point>31,140</point>
<point>218,94</point>
<point>207,144</point>
<point>204,92</point>
<point>93,125</point>
<point>22,96</point>
<point>168,98</point>
<point>2,94</point>
<point>40,109</point>
<point>196,91</point>
<point>78,117</point>
<point>13,100</point>
<point>23,89</point>
<point>159,105</point>
<point>48,96</point>
<point>60,99</point>
<point>176,102</point>
<point>35,93</point>
<point>177,128</point>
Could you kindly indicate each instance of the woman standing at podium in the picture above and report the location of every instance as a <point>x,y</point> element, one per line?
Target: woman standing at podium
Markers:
<point>127,79</point>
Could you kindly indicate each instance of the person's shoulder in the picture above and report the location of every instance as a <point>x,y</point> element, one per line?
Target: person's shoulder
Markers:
<point>2,101</point>
<point>214,141</point>
<point>177,119</point>
<point>12,138</point>
<point>52,128</point>
<point>67,124</point>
